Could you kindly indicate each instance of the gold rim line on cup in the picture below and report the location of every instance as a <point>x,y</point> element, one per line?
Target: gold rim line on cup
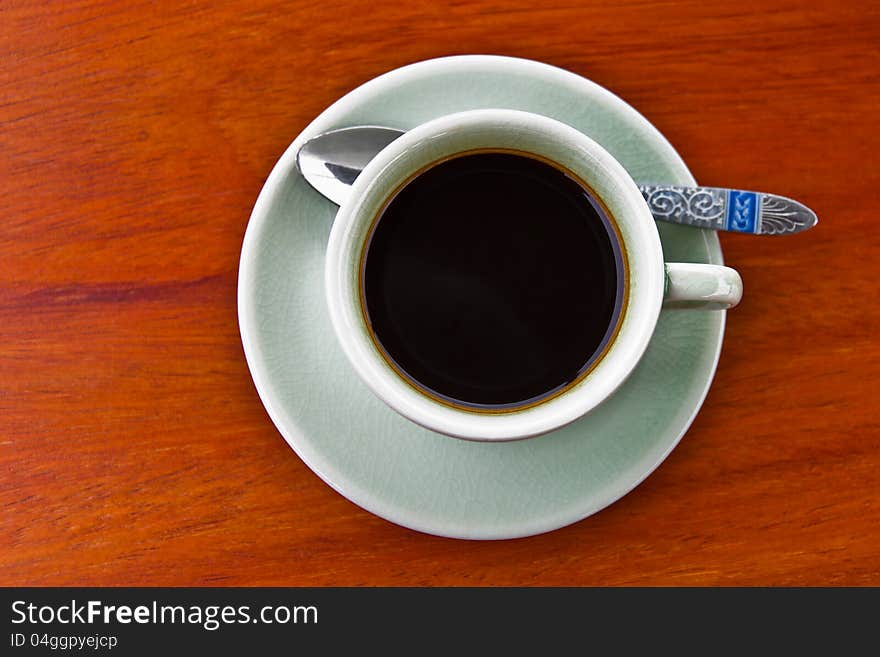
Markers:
<point>415,385</point>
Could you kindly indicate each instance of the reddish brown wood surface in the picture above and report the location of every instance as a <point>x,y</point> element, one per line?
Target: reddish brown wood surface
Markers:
<point>135,138</point>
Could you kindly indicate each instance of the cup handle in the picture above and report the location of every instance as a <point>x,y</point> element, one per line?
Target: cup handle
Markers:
<point>708,287</point>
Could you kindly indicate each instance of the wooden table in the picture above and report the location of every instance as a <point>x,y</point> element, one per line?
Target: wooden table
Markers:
<point>135,138</point>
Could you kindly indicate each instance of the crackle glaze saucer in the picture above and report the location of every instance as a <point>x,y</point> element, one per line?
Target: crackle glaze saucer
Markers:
<point>385,463</point>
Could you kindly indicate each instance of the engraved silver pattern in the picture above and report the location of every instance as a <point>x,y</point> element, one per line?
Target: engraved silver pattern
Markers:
<point>694,206</point>
<point>780,215</point>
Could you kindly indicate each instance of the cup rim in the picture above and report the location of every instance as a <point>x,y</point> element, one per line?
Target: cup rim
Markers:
<point>496,129</point>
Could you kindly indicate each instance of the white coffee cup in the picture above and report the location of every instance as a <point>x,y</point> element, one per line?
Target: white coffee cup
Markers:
<point>651,282</point>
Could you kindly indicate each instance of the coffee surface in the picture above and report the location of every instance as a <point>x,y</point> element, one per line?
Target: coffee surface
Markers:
<point>492,280</point>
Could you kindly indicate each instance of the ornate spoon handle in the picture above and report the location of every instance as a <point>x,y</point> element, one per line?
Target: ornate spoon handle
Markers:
<point>728,209</point>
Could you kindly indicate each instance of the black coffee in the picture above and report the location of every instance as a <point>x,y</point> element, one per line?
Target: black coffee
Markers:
<point>493,280</point>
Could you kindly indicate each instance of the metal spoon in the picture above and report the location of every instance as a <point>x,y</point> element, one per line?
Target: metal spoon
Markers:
<point>333,160</point>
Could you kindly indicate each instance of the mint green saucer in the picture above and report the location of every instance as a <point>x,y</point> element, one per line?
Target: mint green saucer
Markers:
<point>385,463</point>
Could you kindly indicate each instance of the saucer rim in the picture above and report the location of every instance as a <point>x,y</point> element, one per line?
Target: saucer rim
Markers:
<point>289,429</point>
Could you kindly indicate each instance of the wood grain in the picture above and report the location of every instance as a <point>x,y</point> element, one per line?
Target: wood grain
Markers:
<point>135,138</point>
